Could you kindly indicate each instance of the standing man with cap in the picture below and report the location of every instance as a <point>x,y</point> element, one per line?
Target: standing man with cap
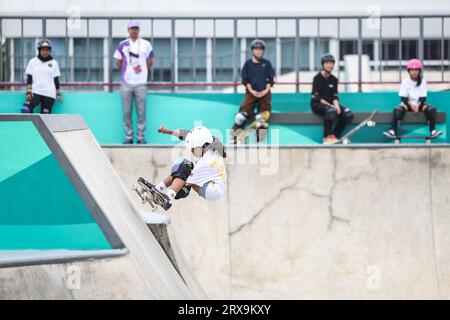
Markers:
<point>134,57</point>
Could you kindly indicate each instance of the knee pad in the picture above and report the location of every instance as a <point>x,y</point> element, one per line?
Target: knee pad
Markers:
<point>182,169</point>
<point>240,118</point>
<point>399,113</point>
<point>330,114</point>
<point>430,112</point>
<point>348,115</point>
<point>25,108</point>
<point>183,193</point>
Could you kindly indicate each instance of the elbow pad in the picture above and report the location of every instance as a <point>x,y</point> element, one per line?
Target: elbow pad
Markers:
<point>183,134</point>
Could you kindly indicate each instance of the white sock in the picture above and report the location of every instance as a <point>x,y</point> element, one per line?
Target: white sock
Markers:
<point>161,187</point>
<point>171,194</point>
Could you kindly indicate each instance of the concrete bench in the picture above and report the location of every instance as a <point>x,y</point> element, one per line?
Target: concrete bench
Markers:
<point>380,117</point>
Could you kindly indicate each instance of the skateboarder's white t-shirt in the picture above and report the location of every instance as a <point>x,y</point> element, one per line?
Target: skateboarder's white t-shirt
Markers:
<point>413,92</point>
<point>44,74</point>
<point>210,175</point>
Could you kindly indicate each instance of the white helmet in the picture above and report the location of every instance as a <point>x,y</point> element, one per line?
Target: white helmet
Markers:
<point>198,136</point>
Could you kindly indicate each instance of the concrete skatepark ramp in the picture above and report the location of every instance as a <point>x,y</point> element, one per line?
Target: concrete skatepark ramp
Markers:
<point>345,222</point>
<point>351,222</point>
<point>126,263</point>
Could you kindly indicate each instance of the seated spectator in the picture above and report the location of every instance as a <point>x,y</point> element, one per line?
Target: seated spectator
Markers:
<point>413,96</point>
<point>325,102</point>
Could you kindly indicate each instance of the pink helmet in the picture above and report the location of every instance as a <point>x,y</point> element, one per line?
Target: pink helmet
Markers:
<point>414,64</point>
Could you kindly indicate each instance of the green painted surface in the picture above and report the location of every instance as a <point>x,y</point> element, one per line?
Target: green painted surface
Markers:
<point>39,207</point>
<point>103,113</point>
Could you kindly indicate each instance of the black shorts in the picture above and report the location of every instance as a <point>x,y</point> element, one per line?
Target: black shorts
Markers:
<point>45,102</point>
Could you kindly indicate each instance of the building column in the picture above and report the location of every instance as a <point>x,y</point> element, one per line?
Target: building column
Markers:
<point>312,55</point>
<point>243,50</point>
<point>106,60</point>
<point>278,56</point>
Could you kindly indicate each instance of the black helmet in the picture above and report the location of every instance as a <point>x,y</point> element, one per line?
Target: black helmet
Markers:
<point>258,44</point>
<point>44,43</point>
<point>327,57</point>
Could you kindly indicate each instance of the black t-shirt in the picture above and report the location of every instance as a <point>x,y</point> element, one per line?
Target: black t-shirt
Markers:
<point>324,88</point>
<point>257,74</point>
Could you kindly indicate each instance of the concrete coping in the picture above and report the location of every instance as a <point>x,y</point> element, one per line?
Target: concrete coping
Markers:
<point>17,258</point>
<point>297,146</point>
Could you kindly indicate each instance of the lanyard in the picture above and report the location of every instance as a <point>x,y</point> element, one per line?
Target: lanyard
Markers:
<point>139,50</point>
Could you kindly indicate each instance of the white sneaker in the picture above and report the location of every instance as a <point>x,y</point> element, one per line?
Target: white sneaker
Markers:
<point>390,134</point>
<point>435,133</point>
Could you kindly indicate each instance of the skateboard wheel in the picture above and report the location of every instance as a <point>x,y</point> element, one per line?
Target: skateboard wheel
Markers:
<point>345,141</point>
<point>371,123</point>
<point>397,141</point>
<point>428,141</point>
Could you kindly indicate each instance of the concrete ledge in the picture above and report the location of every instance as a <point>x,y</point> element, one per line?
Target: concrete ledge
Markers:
<point>36,257</point>
<point>380,117</point>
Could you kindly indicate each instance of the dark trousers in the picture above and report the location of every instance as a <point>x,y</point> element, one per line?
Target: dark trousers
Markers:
<point>320,109</point>
<point>400,111</point>
<point>248,106</point>
<point>45,102</point>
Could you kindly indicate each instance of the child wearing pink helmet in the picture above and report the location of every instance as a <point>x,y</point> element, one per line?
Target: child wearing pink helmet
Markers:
<point>413,95</point>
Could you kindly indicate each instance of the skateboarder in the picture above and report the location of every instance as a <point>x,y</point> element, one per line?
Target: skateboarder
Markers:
<point>257,77</point>
<point>206,175</point>
<point>325,102</point>
<point>413,96</point>
<point>43,85</point>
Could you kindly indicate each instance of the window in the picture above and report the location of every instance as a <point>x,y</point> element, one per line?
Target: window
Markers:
<point>410,49</point>
<point>321,47</point>
<point>390,50</point>
<point>288,52</point>
<point>223,60</point>
<point>162,62</point>
<point>191,61</point>
<point>24,50</point>
<point>368,48</point>
<point>351,47</point>
<point>88,60</point>
<point>432,49</point>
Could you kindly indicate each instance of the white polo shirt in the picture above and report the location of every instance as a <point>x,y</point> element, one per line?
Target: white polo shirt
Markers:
<point>44,74</point>
<point>134,57</point>
<point>413,92</point>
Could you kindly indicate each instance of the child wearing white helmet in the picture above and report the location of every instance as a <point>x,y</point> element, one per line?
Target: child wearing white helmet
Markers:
<point>413,96</point>
<point>207,176</point>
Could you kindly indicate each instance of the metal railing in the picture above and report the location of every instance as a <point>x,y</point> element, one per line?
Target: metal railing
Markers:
<point>236,33</point>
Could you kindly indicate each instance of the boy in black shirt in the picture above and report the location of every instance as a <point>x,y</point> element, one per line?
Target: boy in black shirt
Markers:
<point>257,77</point>
<point>325,102</point>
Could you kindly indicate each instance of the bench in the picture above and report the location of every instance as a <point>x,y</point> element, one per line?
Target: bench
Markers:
<point>380,117</point>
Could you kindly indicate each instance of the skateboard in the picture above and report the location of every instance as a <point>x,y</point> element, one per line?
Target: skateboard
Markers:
<point>368,121</point>
<point>398,139</point>
<point>148,194</point>
<point>261,121</point>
